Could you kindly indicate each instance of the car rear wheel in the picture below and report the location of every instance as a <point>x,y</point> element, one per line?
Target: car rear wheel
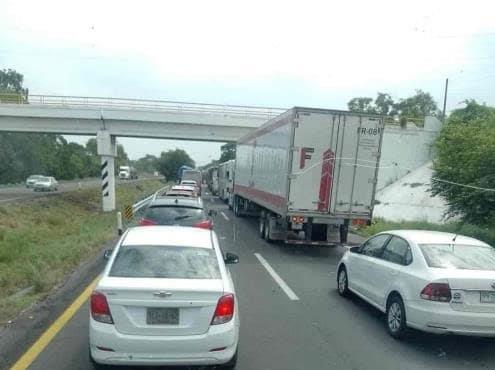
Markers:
<point>343,282</point>
<point>396,317</point>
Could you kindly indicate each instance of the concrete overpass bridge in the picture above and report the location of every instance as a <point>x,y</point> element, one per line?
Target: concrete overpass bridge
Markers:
<point>108,118</point>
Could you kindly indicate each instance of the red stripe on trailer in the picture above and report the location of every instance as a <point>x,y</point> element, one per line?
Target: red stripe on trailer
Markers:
<point>326,180</point>
<point>274,199</point>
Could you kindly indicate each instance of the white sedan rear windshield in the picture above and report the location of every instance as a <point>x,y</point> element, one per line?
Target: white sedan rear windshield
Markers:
<point>144,261</point>
<point>466,257</point>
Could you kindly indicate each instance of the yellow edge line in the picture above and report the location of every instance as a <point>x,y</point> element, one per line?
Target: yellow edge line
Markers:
<point>30,355</point>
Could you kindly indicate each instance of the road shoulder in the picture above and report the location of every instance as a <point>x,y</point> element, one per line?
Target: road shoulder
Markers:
<point>18,335</point>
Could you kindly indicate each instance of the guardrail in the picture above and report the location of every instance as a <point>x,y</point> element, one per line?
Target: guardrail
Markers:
<point>142,104</point>
<point>138,205</point>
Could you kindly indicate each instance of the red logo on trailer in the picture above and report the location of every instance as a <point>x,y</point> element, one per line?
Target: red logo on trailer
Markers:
<point>305,155</point>
<point>326,180</point>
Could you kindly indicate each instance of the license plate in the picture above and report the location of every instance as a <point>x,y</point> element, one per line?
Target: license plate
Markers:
<point>162,316</point>
<point>487,297</point>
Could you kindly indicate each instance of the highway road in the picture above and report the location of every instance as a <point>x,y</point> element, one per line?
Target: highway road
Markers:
<point>300,323</point>
<point>21,193</point>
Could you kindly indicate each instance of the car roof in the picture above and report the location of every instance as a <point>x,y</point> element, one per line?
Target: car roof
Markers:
<point>186,181</point>
<point>183,187</point>
<point>434,237</point>
<point>176,201</point>
<point>169,235</point>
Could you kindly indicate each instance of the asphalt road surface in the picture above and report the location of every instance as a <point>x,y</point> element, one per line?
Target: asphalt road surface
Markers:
<point>307,326</point>
<point>21,193</point>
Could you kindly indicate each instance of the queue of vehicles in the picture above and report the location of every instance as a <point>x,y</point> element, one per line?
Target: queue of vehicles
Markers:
<point>167,298</point>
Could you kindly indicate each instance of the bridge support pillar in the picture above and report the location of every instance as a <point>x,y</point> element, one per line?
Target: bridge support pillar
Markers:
<point>107,150</point>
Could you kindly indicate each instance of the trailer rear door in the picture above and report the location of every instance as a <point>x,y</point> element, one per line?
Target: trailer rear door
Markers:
<point>313,162</point>
<point>334,163</point>
<point>355,172</point>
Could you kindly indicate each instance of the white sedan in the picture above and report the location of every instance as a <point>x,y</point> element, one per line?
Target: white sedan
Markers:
<point>165,298</point>
<point>431,281</point>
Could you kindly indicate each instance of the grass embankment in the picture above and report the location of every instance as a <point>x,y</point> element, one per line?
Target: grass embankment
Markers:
<point>485,233</point>
<point>43,240</point>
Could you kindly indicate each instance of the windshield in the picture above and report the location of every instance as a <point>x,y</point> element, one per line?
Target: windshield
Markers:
<point>173,215</point>
<point>455,256</point>
<point>43,179</point>
<point>165,262</point>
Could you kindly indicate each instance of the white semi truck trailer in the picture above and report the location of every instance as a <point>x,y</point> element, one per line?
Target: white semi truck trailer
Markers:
<point>308,174</point>
<point>226,180</point>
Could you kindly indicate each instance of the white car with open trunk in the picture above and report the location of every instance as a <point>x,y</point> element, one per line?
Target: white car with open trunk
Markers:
<point>165,298</point>
<point>432,281</point>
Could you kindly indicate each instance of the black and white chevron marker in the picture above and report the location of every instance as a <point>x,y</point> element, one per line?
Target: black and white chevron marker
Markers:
<point>104,178</point>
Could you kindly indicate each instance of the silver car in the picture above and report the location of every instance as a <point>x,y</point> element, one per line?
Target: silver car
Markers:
<point>31,180</point>
<point>46,184</point>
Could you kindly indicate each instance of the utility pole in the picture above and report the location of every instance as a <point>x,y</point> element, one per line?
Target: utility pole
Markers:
<point>445,99</point>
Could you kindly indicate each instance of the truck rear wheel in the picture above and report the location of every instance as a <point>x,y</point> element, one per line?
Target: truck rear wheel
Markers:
<point>267,227</point>
<point>236,206</point>
<point>344,232</point>
<point>262,225</point>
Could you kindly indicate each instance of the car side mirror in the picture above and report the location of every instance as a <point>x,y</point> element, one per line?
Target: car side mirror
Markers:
<point>107,253</point>
<point>356,249</point>
<point>231,258</point>
<point>212,213</point>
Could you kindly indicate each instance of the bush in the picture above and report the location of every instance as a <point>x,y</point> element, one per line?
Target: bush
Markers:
<point>466,155</point>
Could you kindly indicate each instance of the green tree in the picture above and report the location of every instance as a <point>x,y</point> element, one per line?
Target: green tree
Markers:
<point>227,152</point>
<point>384,104</point>
<point>417,106</point>
<point>147,164</point>
<point>170,161</point>
<point>466,155</point>
<point>361,105</point>
<point>11,89</point>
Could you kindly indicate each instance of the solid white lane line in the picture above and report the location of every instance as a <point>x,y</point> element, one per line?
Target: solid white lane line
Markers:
<point>224,216</point>
<point>282,284</point>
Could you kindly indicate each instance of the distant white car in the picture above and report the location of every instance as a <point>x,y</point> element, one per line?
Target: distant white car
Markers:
<point>165,298</point>
<point>431,281</point>
<point>193,184</point>
<point>45,183</point>
<point>31,180</point>
<point>183,190</point>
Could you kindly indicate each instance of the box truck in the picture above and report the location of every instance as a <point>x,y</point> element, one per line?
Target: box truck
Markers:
<point>308,174</point>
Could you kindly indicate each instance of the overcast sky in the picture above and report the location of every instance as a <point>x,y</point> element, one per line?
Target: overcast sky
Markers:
<point>269,53</point>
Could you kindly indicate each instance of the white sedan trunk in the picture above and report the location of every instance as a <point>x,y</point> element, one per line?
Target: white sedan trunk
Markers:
<point>165,307</point>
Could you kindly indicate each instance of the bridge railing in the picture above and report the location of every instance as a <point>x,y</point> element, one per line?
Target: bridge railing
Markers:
<point>142,104</point>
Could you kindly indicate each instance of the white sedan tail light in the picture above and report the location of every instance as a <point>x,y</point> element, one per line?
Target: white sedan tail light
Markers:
<point>99,308</point>
<point>439,292</point>
<point>224,311</point>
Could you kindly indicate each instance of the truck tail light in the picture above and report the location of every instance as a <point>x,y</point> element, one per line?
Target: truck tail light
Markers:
<point>224,311</point>
<point>439,292</point>
<point>99,308</point>
<point>297,219</point>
